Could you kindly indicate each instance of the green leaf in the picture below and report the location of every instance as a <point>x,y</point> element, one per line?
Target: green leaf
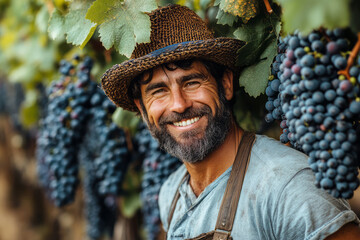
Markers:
<point>225,18</point>
<point>254,78</point>
<point>29,112</point>
<point>42,18</point>
<point>307,15</point>
<point>56,27</point>
<point>204,4</point>
<point>130,204</point>
<point>74,25</point>
<point>23,74</point>
<point>122,23</point>
<point>126,119</point>
<point>78,29</point>
<point>257,33</point>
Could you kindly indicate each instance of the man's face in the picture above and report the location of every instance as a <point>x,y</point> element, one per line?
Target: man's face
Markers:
<point>183,110</point>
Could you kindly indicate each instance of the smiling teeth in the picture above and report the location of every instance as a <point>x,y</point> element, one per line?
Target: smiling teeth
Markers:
<point>186,122</point>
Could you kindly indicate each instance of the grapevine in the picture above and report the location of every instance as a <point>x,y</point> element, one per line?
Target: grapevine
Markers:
<point>318,107</point>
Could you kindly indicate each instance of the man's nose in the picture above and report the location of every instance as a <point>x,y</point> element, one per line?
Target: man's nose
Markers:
<point>180,102</point>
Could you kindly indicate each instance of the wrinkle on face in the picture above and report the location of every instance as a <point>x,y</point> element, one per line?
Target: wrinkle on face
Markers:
<point>172,83</point>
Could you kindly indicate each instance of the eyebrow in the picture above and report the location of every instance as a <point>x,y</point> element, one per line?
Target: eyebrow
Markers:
<point>152,86</point>
<point>191,76</point>
<point>181,80</point>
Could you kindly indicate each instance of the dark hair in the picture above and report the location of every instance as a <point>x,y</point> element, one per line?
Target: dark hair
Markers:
<point>216,70</point>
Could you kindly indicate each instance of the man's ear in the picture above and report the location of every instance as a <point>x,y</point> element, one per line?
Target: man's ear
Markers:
<point>228,84</point>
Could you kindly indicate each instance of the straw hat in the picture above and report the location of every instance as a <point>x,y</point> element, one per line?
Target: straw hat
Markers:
<point>177,33</point>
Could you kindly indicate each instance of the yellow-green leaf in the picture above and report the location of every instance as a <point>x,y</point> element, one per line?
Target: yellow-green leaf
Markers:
<point>307,15</point>
<point>245,9</point>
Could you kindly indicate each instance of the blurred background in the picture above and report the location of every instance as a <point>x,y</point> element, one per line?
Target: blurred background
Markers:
<point>42,61</point>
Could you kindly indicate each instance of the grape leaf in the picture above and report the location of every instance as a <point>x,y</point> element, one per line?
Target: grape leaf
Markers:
<point>79,29</point>
<point>257,34</point>
<point>56,27</point>
<point>254,78</point>
<point>126,119</point>
<point>42,18</point>
<point>23,73</point>
<point>122,23</point>
<point>225,18</point>
<point>306,15</point>
<point>245,9</point>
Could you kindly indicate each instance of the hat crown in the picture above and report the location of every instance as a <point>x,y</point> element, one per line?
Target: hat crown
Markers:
<point>170,25</point>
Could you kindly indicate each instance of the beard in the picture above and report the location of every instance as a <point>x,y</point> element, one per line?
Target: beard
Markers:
<point>194,145</point>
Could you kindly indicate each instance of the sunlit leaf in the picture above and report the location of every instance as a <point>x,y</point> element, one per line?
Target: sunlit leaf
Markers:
<point>245,9</point>
<point>79,29</point>
<point>122,23</point>
<point>24,73</point>
<point>56,27</point>
<point>42,18</point>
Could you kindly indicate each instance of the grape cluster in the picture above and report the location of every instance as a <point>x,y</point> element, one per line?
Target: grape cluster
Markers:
<point>100,210</point>
<point>157,166</point>
<point>77,131</point>
<point>317,107</point>
<point>60,135</point>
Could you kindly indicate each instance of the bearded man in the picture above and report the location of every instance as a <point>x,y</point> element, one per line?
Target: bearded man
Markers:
<point>233,184</point>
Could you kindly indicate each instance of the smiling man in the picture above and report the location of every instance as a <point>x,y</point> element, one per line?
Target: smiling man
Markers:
<point>233,184</point>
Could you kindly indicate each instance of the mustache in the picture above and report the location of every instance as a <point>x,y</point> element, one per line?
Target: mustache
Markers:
<point>189,113</point>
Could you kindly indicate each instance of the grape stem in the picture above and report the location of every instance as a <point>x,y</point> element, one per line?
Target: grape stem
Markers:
<point>351,59</point>
<point>268,7</point>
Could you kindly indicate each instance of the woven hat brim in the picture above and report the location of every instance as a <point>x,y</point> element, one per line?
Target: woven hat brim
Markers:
<point>116,80</point>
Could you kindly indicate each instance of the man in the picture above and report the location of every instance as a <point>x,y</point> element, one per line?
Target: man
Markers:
<point>182,83</point>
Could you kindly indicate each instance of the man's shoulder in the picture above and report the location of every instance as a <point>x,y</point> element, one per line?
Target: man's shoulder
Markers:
<point>272,166</point>
<point>273,154</point>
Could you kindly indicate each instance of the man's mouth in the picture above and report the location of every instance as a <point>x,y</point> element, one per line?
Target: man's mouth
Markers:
<point>187,122</point>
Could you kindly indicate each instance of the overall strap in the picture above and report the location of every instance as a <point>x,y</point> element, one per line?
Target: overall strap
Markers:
<point>231,197</point>
<point>175,200</point>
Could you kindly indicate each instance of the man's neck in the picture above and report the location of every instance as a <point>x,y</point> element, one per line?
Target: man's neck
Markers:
<point>216,163</point>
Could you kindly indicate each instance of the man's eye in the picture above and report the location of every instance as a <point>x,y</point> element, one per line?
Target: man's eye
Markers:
<point>158,92</point>
<point>192,84</point>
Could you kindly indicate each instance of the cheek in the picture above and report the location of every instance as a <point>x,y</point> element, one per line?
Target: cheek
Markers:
<point>155,110</point>
<point>209,97</point>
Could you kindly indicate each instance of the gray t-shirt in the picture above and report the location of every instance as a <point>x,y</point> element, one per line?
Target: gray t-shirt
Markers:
<point>278,201</point>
